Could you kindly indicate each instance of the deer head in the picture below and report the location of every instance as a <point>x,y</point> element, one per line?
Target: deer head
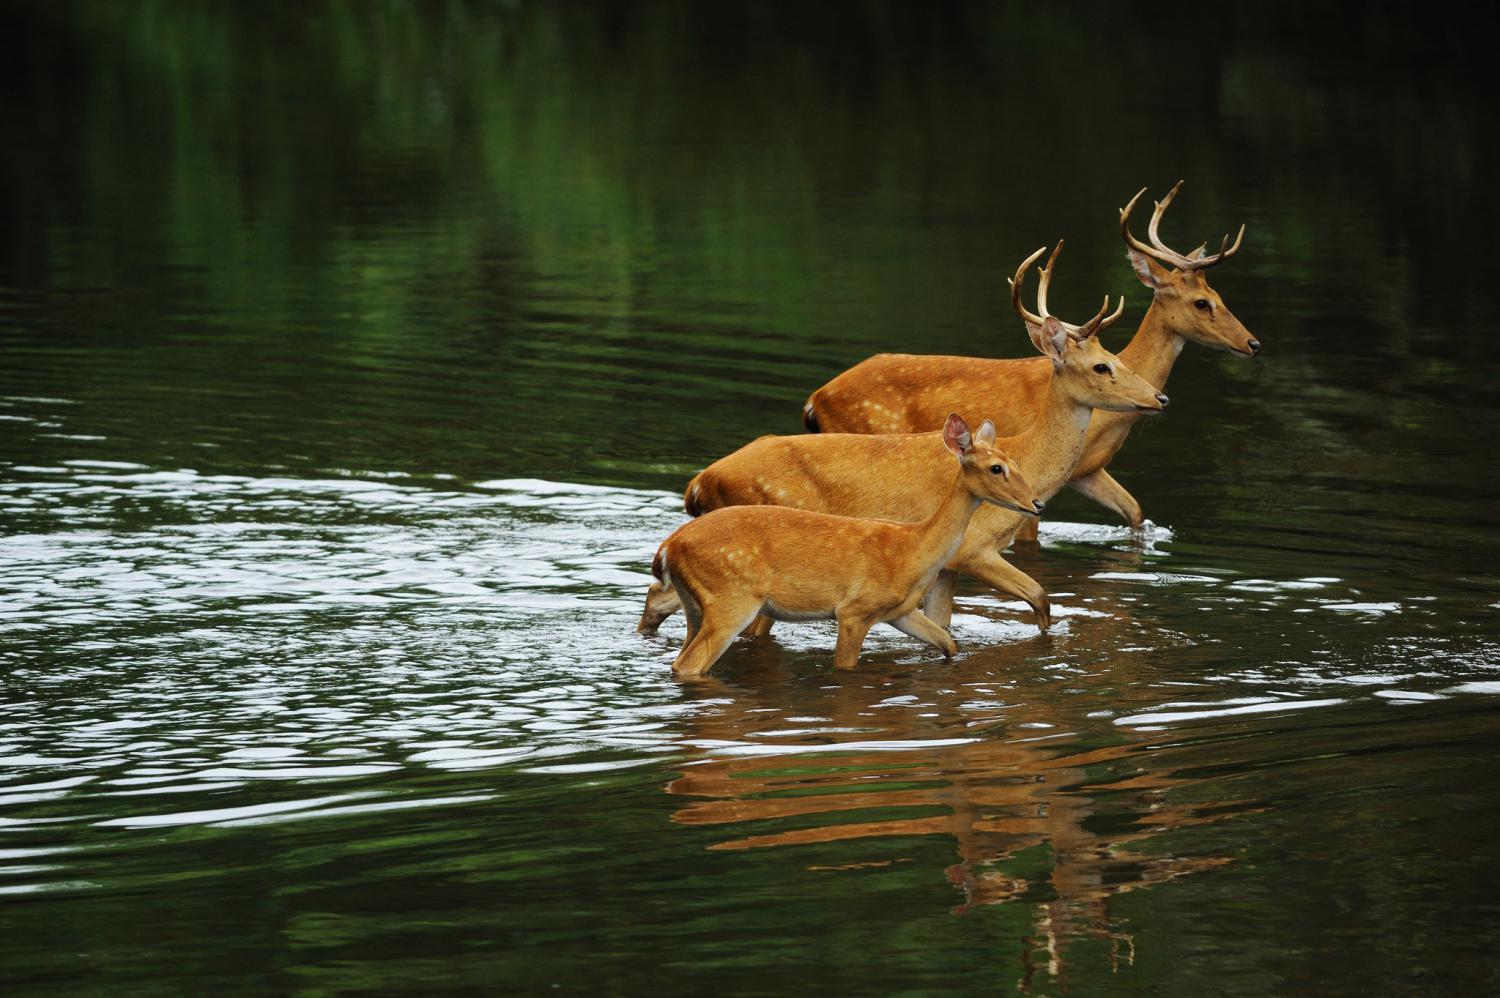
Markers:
<point>1189,307</point>
<point>1089,373</point>
<point>988,473</point>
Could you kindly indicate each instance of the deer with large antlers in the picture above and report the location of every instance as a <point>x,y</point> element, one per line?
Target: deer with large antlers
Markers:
<point>906,393</point>
<point>736,564</point>
<point>901,475</point>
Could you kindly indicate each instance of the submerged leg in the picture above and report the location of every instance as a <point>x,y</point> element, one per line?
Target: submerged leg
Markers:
<point>917,624</point>
<point>1000,575</point>
<point>937,604</point>
<point>852,631</point>
<point>722,621</point>
<point>661,603</point>
<point>1107,492</point>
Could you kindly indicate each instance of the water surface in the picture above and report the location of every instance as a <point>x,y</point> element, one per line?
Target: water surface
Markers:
<point>352,360</point>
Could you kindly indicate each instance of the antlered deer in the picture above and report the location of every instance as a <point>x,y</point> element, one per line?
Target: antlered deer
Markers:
<point>901,476</point>
<point>908,393</point>
<point>734,564</point>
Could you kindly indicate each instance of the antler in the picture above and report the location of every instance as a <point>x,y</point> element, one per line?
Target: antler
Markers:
<point>1015,286</point>
<point>1098,323</point>
<point>1159,251</point>
<point>1093,327</point>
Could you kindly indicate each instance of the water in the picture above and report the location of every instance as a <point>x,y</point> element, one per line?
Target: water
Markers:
<point>351,361</point>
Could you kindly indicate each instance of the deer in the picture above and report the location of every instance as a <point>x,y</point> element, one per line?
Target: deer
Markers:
<point>735,564</point>
<point>901,393</point>
<point>900,475</point>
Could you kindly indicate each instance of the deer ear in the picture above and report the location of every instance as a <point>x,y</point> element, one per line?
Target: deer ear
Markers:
<point>1151,273</point>
<point>1047,339</point>
<point>985,435</point>
<point>956,436</point>
<point>1051,339</point>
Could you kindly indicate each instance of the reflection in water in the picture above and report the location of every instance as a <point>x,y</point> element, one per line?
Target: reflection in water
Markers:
<point>373,649</point>
<point>1038,813</point>
<point>309,314</point>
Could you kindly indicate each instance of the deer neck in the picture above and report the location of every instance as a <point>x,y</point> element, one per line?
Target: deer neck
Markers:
<point>937,538</point>
<point>1050,448</point>
<point>1153,349</point>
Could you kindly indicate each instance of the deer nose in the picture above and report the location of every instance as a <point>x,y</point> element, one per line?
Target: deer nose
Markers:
<point>1163,400</point>
<point>1039,505</point>
<point>1254,346</point>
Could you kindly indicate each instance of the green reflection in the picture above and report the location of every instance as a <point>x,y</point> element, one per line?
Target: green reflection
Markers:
<point>608,243</point>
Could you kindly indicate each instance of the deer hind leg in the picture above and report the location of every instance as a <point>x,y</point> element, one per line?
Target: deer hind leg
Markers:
<point>937,604</point>
<point>1000,575</point>
<point>852,631</point>
<point>919,626</point>
<point>661,603</point>
<point>721,622</point>
<point>759,627</point>
<point>692,612</point>
<point>1104,490</point>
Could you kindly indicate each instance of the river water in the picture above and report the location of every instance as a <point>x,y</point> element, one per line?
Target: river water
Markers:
<point>352,359</point>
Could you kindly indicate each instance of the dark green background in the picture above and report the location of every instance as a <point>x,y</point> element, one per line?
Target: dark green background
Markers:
<point>607,243</point>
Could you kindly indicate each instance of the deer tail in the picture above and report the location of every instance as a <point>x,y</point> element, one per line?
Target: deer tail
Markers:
<point>692,498</point>
<point>810,418</point>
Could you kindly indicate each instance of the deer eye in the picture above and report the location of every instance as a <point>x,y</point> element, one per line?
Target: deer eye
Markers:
<point>998,469</point>
<point>1101,368</point>
<point>1201,304</point>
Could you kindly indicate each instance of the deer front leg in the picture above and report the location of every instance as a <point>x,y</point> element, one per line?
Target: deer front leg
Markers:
<point>999,574</point>
<point>660,604</point>
<point>937,604</point>
<point>1104,490</point>
<point>852,631</point>
<point>919,626</point>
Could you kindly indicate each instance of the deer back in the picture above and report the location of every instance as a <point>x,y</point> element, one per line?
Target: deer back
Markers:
<point>913,393</point>
<point>887,476</point>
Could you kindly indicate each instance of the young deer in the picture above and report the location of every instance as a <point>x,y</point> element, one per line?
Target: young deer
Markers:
<point>831,472</point>
<point>906,393</point>
<point>734,564</point>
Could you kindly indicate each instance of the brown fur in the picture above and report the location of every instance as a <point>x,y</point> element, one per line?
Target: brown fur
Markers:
<point>905,393</point>
<point>733,564</point>
<point>902,476</point>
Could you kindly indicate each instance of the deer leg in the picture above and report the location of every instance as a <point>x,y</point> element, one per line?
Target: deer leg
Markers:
<point>692,613</point>
<point>721,622</point>
<point>999,574</point>
<point>937,604</point>
<point>1110,494</point>
<point>852,631</point>
<point>1026,533</point>
<point>918,625</point>
<point>661,603</point>
<point>759,627</point>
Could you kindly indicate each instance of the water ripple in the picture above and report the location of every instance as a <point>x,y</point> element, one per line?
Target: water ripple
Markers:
<point>225,650</point>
